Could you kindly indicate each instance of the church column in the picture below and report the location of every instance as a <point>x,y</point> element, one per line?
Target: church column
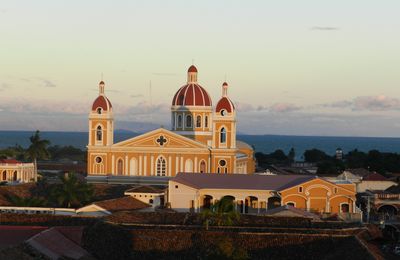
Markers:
<point>126,165</point>
<point>112,164</point>
<point>140,166</point>
<point>181,169</point>
<point>169,165</point>
<point>152,165</point>
<point>176,164</point>
<point>145,165</point>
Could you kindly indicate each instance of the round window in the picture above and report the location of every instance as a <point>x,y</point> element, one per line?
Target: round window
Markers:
<point>98,159</point>
<point>223,112</point>
<point>222,163</point>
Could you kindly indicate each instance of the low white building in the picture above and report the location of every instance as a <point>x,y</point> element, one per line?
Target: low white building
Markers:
<point>148,194</point>
<point>14,171</point>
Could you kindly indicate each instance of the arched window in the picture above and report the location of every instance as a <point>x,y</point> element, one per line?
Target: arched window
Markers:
<point>99,110</point>
<point>189,165</point>
<point>180,121</point>
<point>4,176</point>
<point>222,138</point>
<point>198,121</point>
<point>344,208</point>
<point>202,167</point>
<point>206,121</point>
<point>99,134</point>
<point>120,167</point>
<point>290,204</point>
<point>161,166</point>
<point>188,121</point>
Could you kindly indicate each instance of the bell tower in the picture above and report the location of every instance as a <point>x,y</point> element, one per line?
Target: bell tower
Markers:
<point>101,120</point>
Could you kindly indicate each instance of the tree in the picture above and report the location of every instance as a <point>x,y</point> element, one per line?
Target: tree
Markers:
<point>37,149</point>
<point>291,155</point>
<point>71,191</point>
<point>315,155</point>
<point>26,202</point>
<point>222,213</point>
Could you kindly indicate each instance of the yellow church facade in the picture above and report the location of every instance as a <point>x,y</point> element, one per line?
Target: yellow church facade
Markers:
<point>202,138</point>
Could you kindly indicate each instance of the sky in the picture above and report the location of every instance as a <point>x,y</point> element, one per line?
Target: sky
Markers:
<point>309,67</point>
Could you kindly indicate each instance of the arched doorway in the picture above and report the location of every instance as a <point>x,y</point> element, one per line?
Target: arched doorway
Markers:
<point>274,202</point>
<point>344,208</point>
<point>15,176</point>
<point>251,204</point>
<point>207,201</point>
<point>120,167</point>
<point>4,176</point>
<point>388,211</point>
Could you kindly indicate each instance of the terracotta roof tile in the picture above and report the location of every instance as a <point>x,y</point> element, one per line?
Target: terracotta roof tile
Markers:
<point>146,189</point>
<point>374,177</point>
<point>124,203</point>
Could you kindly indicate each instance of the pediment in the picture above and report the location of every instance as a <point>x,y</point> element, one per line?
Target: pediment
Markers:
<point>160,138</point>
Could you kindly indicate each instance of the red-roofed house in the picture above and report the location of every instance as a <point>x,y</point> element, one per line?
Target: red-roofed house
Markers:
<point>374,181</point>
<point>256,193</point>
<point>14,171</point>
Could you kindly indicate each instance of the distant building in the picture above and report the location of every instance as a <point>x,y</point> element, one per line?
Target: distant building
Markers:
<point>202,139</point>
<point>364,182</point>
<point>148,194</point>
<point>258,193</point>
<point>339,154</point>
<point>14,171</point>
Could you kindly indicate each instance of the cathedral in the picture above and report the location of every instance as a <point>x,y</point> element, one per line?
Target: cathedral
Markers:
<point>202,138</point>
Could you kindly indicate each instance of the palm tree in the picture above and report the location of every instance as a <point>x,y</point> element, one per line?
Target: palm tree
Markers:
<point>71,191</point>
<point>38,149</point>
<point>222,213</point>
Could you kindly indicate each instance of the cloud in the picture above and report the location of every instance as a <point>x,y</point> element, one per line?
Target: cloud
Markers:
<point>324,28</point>
<point>367,103</point>
<point>376,103</point>
<point>284,108</point>
<point>48,84</point>
<point>4,86</point>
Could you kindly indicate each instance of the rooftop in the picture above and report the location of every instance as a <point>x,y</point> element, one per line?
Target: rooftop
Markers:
<point>240,181</point>
<point>119,204</point>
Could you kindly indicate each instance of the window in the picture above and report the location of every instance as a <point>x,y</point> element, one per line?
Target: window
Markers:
<point>202,167</point>
<point>99,110</point>
<point>188,121</point>
<point>223,112</point>
<point>176,186</point>
<point>179,121</point>
<point>206,121</point>
<point>222,163</point>
<point>222,138</point>
<point>300,189</point>
<point>198,121</point>
<point>161,166</point>
<point>99,134</point>
<point>15,176</point>
<point>98,159</point>
<point>150,201</point>
<point>4,175</point>
<point>345,208</point>
<point>120,167</point>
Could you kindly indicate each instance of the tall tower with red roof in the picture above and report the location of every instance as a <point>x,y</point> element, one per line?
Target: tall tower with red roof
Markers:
<point>101,120</point>
<point>191,110</point>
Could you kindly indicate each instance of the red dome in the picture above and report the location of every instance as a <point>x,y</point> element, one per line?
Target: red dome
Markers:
<point>192,69</point>
<point>191,95</point>
<point>225,103</point>
<point>103,102</point>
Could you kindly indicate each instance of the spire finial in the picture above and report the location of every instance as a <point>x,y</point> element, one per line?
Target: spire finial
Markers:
<point>192,74</point>
<point>225,89</point>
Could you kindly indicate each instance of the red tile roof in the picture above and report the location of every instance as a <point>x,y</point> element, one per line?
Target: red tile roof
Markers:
<point>375,177</point>
<point>124,203</point>
<point>103,102</point>
<point>225,103</point>
<point>10,161</point>
<point>146,189</point>
<point>240,181</point>
<point>191,95</point>
<point>55,245</point>
<point>192,69</point>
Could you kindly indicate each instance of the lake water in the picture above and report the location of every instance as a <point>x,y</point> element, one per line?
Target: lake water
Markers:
<point>262,143</point>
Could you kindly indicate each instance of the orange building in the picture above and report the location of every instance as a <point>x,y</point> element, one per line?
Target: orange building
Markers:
<point>202,138</point>
<point>259,193</point>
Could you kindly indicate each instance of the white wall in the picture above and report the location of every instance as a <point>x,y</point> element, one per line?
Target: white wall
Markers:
<point>374,185</point>
<point>181,196</point>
